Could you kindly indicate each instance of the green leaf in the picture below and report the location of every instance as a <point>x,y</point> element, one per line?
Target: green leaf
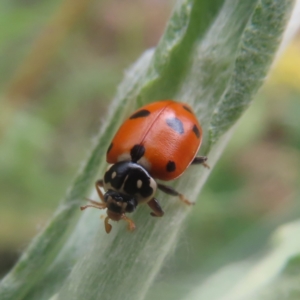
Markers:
<point>273,275</point>
<point>280,267</point>
<point>256,49</point>
<point>213,55</point>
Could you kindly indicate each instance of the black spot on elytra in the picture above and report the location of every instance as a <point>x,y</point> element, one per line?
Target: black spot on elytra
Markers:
<point>140,114</point>
<point>171,166</point>
<point>196,131</point>
<point>137,152</point>
<point>187,108</point>
<point>175,124</point>
<point>109,148</point>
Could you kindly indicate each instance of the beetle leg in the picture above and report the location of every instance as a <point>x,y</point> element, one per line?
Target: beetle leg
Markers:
<point>98,184</point>
<point>155,206</point>
<point>96,204</point>
<point>170,191</point>
<point>131,225</point>
<point>201,160</point>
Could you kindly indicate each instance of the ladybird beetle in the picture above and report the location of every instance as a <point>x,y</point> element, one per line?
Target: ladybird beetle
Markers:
<point>158,141</point>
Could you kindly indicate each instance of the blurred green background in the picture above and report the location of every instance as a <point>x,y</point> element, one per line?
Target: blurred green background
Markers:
<point>60,63</point>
